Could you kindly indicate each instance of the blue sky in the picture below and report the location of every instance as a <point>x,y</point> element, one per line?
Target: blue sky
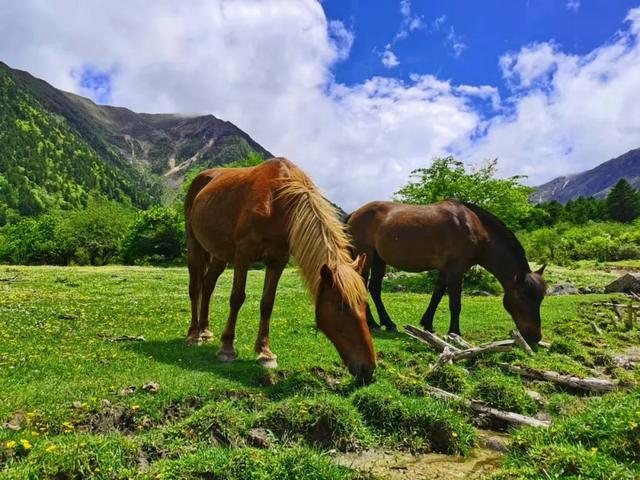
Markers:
<point>484,30</point>
<point>359,93</point>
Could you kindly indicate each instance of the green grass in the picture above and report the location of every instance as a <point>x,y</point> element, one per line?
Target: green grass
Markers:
<point>64,386</point>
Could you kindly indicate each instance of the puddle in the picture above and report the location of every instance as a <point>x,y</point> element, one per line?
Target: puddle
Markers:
<point>394,465</point>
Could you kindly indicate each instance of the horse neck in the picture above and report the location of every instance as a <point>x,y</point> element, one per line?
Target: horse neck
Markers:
<point>502,262</point>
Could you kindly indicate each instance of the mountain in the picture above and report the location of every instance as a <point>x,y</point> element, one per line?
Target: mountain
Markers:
<point>57,148</point>
<point>593,183</point>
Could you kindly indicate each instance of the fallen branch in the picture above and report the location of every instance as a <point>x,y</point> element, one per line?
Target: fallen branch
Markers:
<point>596,329</point>
<point>499,346</point>
<point>616,310</point>
<point>127,338</point>
<point>510,417</point>
<point>458,340</point>
<point>521,342</point>
<point>428,338</point>
<point>617,305</point>
<point>543,344</point>
<point>589,384</point>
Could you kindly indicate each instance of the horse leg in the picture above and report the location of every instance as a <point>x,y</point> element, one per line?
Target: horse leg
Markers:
<point>196,259</point>
<point>438,292</point>
<point>371,323</point>
<point>454,287</point>
<point>266,357</point>
<point>216,267</point>
<point>375,287</point>
<point>226,352</point>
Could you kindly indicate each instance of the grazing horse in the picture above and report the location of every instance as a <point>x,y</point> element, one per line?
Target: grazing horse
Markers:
<point>264,213</point>
<point>450,237</point>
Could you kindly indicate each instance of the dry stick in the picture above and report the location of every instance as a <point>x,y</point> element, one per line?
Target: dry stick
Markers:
<point>458,340</point>
<point>429,338</point>
<point>515,334</point>
<point>499,346</point>
<point>616,310</point>
<point>589,384</point>
<point>543,344</point>
<point>493,412</point>
<point>596,329</point>
<point>616,305</point>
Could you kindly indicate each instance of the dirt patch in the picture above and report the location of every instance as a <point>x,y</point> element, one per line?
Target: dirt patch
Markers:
<point>395,465</point>
<point>111,418</point>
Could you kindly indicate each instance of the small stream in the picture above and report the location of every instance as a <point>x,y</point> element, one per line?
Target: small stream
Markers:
<point>395,465</point>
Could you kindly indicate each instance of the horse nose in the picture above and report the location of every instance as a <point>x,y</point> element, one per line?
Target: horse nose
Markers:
<point>362,372</point>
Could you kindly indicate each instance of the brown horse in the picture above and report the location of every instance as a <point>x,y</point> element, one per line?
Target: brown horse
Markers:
<point>450,237</point>
<point>263,213</point>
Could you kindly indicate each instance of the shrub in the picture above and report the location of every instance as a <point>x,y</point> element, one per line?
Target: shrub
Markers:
<point>156,236</point>
<point>422,424</point>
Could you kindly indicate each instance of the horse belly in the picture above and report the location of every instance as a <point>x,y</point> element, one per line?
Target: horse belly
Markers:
<point>413,248</point>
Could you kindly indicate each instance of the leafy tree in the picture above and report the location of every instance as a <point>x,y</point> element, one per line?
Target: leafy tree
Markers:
<point>623,202</point>
<point>156,236</point>
<point>449,178</point>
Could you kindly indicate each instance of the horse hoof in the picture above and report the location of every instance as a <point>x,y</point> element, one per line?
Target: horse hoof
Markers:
<point>226,356</point>
<point>206,335</point>
<point>193,341</point>
<point>268,361</point>
<point>391,328</point>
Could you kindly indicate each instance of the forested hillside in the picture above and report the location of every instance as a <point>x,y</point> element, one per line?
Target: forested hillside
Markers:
<point>45,165</point>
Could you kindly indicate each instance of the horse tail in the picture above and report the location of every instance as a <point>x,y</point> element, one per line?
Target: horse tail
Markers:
<point>197,184</point>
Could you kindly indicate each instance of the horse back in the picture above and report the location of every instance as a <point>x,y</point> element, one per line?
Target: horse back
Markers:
<point>418,237</point>
<point>228,207</point>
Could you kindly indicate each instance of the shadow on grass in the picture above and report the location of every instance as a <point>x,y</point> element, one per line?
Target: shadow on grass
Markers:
<point>276,383</point>
<point>201,359</point>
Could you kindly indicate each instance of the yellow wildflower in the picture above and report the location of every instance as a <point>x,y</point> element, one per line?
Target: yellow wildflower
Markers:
<point>634,425</point>
<point>25,444</point>
<point>50,448</point>
<point>135,408</point>
<point>11,444</point>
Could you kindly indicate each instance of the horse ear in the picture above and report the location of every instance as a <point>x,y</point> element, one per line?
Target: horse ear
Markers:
<point>359,263</point>
<point>540,271</point>
<point>326,275</point>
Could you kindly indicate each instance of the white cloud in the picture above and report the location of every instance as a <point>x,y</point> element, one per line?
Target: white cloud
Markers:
<point>455,43</point>
<point>389,59</point>
<point>573,5</point>
<point>568,113</point>
<point>266,65</point>
<point>409,22</point>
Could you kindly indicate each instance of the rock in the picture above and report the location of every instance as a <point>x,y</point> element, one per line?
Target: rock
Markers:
<point>16,422</point>
<point>590,289</point>
<point>151,387</point>
<point>259,438</point>
<point>536,396</point>
<point>625,284</point>
<point>481,293</point>
<point>565,288</point>
<point>128,390</point>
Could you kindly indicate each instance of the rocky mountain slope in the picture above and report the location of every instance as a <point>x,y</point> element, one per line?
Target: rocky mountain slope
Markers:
<point>593,183</point>
<point>56,148</point>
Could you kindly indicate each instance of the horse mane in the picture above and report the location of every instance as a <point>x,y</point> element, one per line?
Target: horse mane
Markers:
<point>501,231</point>
<point>317,237</point>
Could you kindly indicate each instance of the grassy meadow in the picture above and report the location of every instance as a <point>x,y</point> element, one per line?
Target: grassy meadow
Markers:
<point>72,402</point>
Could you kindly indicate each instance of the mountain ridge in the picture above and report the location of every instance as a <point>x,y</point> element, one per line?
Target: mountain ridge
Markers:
<point>595,182</point>
<point>58,148</point>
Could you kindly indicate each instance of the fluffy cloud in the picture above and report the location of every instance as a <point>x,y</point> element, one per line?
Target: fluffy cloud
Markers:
<point>388,58</point>
<point>568,113</point>
<point>266,66</point>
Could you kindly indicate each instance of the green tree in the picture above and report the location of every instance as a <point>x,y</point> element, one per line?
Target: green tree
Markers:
<point>156,236</point>
<point>449,178</point>
<point>623,202</point>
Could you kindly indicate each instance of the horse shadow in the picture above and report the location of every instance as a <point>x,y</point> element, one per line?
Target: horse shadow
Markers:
<point>276,383</point>
<point>200,359</point>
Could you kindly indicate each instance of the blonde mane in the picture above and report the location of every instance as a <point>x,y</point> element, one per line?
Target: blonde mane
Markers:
<point>317,237</point>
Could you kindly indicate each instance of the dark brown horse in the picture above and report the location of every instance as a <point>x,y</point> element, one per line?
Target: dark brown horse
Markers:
<point>263,213</point>
<point>449,237</point>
